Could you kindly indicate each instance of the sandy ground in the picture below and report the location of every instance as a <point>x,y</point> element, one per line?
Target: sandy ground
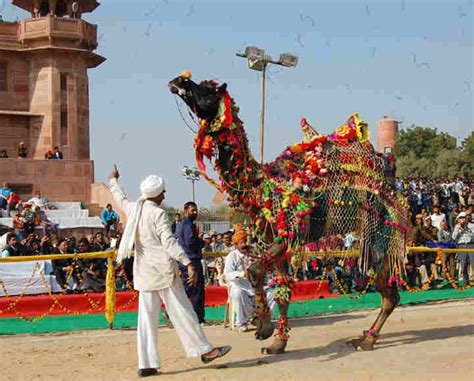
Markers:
<point>430,342</point>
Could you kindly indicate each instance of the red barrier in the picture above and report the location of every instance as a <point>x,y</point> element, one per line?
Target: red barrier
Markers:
<point>127,301</point>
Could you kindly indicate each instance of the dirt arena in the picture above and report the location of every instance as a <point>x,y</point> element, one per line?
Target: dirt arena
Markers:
<point>430,342</point>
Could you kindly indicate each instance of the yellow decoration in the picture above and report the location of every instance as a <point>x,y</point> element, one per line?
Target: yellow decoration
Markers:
<point>186,74</point>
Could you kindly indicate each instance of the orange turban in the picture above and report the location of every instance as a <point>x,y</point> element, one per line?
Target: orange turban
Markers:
<point>238,236</point>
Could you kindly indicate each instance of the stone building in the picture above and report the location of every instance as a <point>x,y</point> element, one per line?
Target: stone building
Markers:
<point>44,98</point>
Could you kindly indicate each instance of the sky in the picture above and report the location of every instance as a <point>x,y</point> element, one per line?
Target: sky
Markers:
<point>411,60</point>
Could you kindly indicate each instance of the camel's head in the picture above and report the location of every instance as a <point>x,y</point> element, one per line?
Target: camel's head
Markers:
<point>203,98</point>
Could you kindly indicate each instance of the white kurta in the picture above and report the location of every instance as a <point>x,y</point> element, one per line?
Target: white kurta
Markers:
<point>155,276</point>
<point>156,249</point>
<point>241,290</point>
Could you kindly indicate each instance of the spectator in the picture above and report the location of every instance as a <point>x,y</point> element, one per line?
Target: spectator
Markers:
<point>33,247</point>
<point>192,245</point>
<point>216,246</point>
<point>92,270</point>
<point>445,236</point>
<point>62,267</point>
<point>18,226</point>
<point>100,243</point>
<point>47,246</point>
<point>71,247</point>
<point>206,238</point>
<point>4,193</point>
<point>42,221</point>
<point>22,150</point>
<point>91,239</point>
<point>464,237</point>
<point>40,201</point>
<point>13,202</point>
<point>3,154</point>
<point>437,217</point>
<point>12,250</point>
<point>28,217</point>
<point>49,155</point>
<point>57,154</point>
<point>175,224</point>
<point>227,245</point>
<point>110,219</point>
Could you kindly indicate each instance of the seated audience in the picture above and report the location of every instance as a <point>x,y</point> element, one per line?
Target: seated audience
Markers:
<point>18,226</point>
<point>39,200</point>
<point>3,154</point>
<point>92,270</point>
<point>57,154</point>
<point>100,243</point>
<point>13,202</point>
<point>13,248</point>
<point>62,267</point>
<point>110,219</point>
<point>22,150</point>
<point>4,193</point>
<point>42,221</point>
<point>49,155</point>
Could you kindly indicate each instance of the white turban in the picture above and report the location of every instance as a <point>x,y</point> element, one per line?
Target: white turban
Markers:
<point>151,187</point>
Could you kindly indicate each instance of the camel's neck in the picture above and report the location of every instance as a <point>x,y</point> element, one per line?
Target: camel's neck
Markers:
<point>226,144</point>
<point>239,172</point>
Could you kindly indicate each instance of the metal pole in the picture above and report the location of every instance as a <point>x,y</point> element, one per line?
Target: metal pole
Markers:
<point>262,120</point>
<point>193,191</point>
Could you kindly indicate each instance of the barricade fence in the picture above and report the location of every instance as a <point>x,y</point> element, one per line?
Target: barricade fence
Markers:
<point>110,284</point>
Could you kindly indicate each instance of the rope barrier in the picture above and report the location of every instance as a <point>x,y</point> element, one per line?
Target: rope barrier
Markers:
<point>110,286</point>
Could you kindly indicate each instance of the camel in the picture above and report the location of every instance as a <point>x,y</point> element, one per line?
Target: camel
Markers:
<point>321,191</point>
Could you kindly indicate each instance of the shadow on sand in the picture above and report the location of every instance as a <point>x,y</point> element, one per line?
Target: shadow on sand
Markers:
<point>340,349</point>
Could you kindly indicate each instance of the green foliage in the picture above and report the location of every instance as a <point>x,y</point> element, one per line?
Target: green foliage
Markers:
<point>424,142</point>
<point>425,152</point>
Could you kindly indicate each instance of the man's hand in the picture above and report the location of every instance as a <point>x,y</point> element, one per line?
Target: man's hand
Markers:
<point>192,276</point>
<point>114,174</point>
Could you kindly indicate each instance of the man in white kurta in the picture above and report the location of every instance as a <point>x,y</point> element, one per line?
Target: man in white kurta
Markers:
<point>240,289</point>
<point>155,268</point>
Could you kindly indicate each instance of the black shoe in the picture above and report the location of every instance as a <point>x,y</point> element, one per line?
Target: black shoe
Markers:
<point>147,372</point>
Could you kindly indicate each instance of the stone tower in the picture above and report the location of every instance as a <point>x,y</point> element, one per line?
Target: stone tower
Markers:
<point>386,134</point>
<point>44,97</point>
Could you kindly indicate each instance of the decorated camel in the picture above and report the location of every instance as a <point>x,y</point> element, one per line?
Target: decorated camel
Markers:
<point>322,191</point>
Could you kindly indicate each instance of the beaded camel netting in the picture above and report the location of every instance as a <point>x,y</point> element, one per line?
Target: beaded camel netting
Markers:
<point>326,193</point>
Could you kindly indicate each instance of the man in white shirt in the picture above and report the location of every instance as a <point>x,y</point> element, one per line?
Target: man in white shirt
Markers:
<point>437,217</point>
<point>465,239</point>
<point>240,289</point>
<point>40,201</point>
<point>155,275</point>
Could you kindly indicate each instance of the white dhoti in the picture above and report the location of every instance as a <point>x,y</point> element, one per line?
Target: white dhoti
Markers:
<point>242,295</point>
<point>182,316</point>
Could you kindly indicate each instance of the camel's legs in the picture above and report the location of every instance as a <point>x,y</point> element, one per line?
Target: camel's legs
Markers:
<point>282,298</point>
<point>265,327</point>
<point>390,299</point>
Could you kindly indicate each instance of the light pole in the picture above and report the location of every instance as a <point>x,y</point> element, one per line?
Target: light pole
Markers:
<point>192,174</point>
<point>258,60</point>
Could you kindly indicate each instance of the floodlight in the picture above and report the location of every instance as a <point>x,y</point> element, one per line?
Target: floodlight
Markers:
<point>288,60</point>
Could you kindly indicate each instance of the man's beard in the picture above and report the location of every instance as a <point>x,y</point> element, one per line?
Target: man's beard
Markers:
<point>192,218</point>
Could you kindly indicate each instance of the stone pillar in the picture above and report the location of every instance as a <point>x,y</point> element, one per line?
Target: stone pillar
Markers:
<point>44,100</point>
<point>386,134</point>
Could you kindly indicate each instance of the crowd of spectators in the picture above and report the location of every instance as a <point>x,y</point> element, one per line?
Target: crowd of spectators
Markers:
<point>441,213</point>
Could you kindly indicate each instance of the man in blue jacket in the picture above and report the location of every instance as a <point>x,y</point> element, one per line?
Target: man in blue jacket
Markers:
<point>188,238</point>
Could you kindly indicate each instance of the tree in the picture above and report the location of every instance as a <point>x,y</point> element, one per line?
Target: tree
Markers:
<point>424,142</point>
<point>425,152</point>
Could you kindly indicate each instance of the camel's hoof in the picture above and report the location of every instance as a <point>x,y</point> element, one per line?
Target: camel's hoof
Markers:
<point>365,343</point>
<point>277,348</point>
<point>355,342</point>
<point>265,331</point>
